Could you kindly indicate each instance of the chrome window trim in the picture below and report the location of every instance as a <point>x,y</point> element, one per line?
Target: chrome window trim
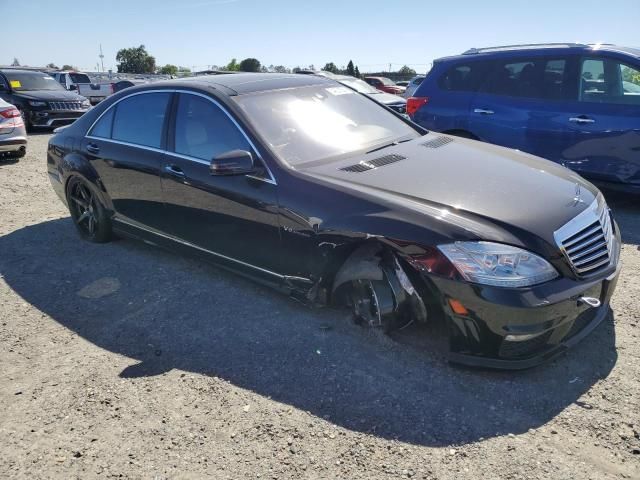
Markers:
<point>191,245</point>
<point>271,178</point>
<point>127,144</point>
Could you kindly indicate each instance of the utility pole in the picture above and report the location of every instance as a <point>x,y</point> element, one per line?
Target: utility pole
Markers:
<point>101,58</point>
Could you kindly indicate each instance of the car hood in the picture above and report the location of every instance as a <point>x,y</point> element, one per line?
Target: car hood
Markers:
<point>50,95</point>
<point>387,98</point>
<point>468,179</point>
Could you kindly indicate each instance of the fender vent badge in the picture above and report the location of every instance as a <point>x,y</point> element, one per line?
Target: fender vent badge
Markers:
<point>375,163</point>
<point>437,142</point>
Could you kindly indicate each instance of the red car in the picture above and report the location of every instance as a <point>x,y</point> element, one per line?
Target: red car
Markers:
<point>385,84</point>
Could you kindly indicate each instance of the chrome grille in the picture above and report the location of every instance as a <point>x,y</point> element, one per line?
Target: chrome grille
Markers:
<point>587,240</point>
<point>65,106</point>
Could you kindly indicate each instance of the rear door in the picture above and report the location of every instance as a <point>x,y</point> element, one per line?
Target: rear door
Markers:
<point>523,104</point>
<point>603,126</point>
<point>232,216</point>
<point>125,146</point>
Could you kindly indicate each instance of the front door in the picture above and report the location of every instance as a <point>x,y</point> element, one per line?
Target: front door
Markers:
<point>235,217</point>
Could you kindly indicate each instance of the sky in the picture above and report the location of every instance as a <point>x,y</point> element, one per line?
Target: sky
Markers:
<point>374,33</point>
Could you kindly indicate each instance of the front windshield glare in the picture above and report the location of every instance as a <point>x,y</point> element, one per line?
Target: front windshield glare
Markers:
<point>312,123</point>
<point>32,81</point>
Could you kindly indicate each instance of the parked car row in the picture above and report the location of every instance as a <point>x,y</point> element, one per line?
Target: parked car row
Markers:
<point>315,189</point>
<point>577,105</point>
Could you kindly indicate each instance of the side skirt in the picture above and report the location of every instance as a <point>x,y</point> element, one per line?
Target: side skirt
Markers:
<point>296,287</point>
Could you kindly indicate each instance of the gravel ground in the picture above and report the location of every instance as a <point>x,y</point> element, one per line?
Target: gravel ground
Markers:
<point>122,360</point>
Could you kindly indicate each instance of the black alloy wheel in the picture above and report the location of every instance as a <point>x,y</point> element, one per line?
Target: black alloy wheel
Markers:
<point>87,212</point>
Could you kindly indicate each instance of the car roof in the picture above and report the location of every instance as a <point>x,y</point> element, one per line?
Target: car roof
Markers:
<point>541,48</point>
<point>243,83</point>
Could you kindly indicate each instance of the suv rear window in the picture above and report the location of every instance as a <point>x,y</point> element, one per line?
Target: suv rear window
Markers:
<point>463,78</point>
<point>80,78</point>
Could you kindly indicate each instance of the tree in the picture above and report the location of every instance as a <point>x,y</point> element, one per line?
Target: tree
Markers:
<point>52,66</point>
<point>357,72</point>
<point>406,71</point>
<point>15,63</point>
<point>330,67</point>
<point>186,70</point>
<point>281,69</point>
<point>169,69</point>
<point>350,69</point>
<point>68,67</point>
<point>135,60</point>
<point>232,66</point>
<point>249,65</point>
<point>264,69</point>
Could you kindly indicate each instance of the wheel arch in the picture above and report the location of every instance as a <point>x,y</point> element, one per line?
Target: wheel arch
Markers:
<point>76,165</point>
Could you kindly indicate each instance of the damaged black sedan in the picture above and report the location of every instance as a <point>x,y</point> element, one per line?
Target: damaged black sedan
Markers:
<point>317,190</point>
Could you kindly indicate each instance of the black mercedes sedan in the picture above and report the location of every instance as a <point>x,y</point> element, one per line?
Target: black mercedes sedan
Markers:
<point>312,188</point>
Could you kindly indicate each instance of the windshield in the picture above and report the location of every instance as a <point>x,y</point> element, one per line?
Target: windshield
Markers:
<point>386,81</point>
<point>317,122</point>
<point>359,85</point>
<point>22,81</point>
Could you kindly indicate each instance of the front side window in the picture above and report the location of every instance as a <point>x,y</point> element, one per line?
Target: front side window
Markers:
<point>204,131</point>
<point>140,119</point>
<point>605,80</point>
<point>318,122</point>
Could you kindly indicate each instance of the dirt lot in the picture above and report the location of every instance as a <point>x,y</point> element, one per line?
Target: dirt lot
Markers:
<point>122,360</point>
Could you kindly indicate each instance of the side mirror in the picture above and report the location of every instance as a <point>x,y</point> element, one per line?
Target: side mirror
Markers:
<point>234,162</point>
<point>73,87</point>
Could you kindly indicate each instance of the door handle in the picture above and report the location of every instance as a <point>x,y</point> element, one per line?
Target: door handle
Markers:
<point>174,171</point>
<point>582,119</point>
<point>93,148</point>
<point>483,111</point>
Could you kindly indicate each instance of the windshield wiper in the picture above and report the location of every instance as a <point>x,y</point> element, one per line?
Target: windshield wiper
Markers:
<point>392,144</point>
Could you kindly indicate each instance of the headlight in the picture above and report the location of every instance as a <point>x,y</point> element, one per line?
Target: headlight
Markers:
<point>86,103</point>
<point>36,103</point>
<point>491,263</point>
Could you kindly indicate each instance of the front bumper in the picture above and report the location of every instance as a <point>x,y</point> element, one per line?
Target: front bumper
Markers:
<point>54,118</point>
<point>521,328</point>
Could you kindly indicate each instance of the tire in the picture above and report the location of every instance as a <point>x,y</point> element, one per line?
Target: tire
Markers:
<point>87,212</point>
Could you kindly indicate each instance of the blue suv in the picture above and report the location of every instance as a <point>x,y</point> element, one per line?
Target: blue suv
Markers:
<point>578,105</point>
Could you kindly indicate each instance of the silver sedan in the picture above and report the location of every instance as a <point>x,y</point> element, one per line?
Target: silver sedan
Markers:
<point>13,135</point>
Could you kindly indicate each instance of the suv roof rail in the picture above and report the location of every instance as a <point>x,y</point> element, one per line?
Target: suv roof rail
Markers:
<point>525,46</point>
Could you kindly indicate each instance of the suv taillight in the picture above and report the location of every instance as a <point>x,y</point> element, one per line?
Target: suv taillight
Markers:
<point>10,113</point>
<point>414,104</point>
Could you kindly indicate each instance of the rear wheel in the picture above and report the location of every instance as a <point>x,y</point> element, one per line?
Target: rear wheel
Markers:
<point>87,212</point>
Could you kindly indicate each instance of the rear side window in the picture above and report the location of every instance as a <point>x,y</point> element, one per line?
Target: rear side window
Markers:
<point>463,78</point>
<point>539,77</point>
<point>140,119</point>
<point>102,128</point>
<point>204,131</point>
<point>606,80</point>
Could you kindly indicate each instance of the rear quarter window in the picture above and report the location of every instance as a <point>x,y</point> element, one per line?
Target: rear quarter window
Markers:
<point>465,77</point>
